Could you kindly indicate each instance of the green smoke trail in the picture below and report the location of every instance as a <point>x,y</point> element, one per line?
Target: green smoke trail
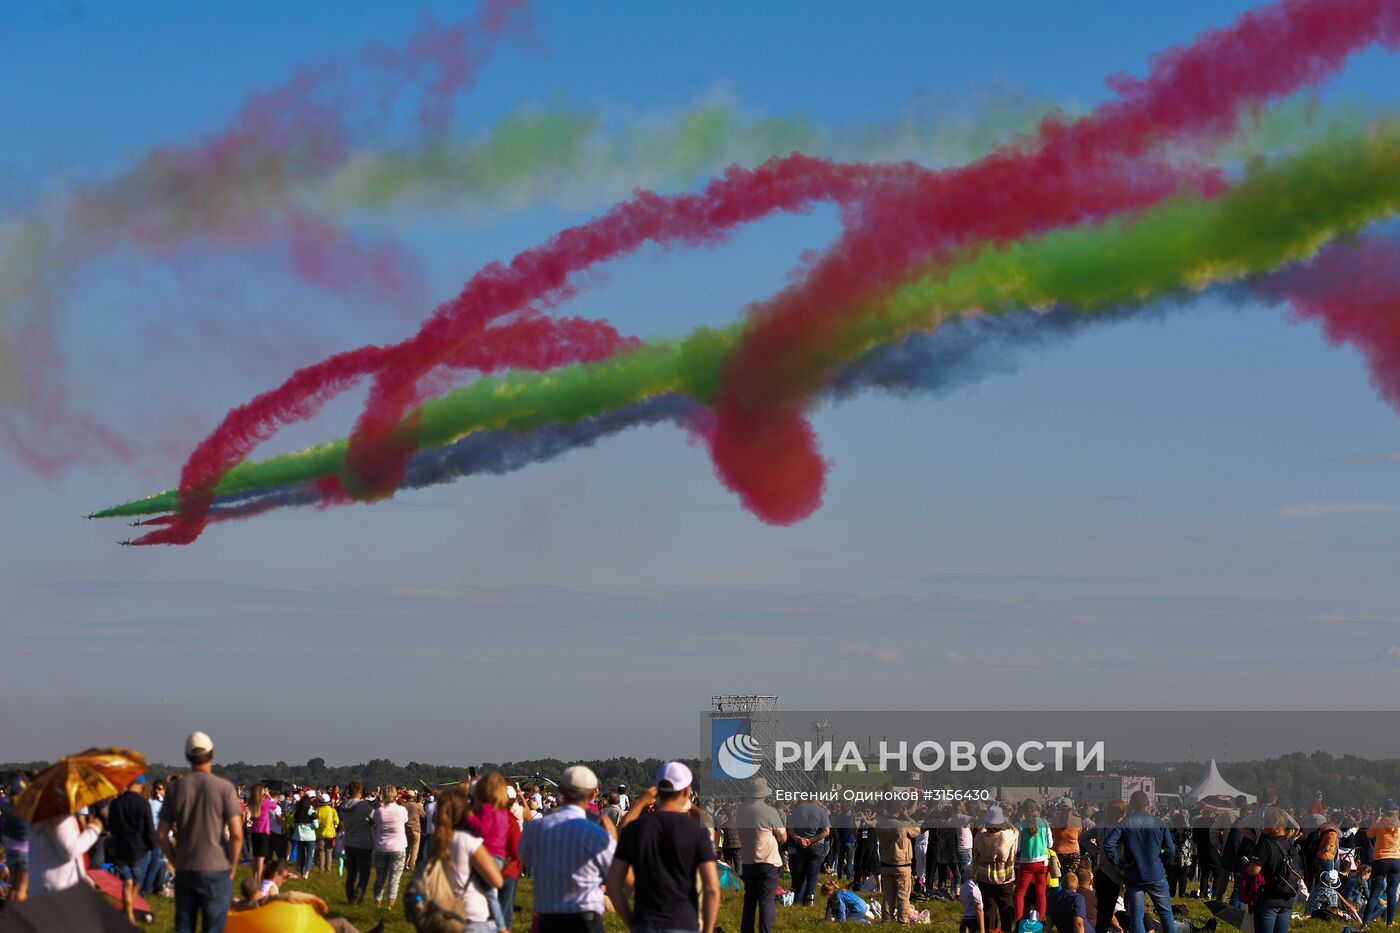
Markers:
<point>1280,212</point>
<point>572,158</point>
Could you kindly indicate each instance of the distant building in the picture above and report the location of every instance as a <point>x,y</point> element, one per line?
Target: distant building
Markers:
<point>1043,793</point>
<point>1101,788</point>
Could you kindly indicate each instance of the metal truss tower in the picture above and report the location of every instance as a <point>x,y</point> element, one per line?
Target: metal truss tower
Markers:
<point>760,710</point>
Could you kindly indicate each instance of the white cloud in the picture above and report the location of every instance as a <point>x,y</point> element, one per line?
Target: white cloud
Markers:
<point>1315,509</point>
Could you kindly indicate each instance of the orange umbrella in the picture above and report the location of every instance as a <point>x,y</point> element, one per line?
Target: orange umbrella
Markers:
<point>79,781</point>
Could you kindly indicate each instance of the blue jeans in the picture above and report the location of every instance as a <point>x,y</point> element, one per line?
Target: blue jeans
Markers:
<point>964,863</point>
<point>1161,900</point>
<point>153,875</point>
<point>206,894</point>
<point>507,899</point>
<point>805,864</point>
<point>1273,919</point>
<point>493,899</point>
<point>1385,876</point>
<point>306,851</point>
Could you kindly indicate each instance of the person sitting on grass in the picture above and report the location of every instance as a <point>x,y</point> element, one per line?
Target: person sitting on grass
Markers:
<point>843,906</point>
<point>274,876</point>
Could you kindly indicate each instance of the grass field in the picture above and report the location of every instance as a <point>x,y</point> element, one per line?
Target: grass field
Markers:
<point>944,915</point>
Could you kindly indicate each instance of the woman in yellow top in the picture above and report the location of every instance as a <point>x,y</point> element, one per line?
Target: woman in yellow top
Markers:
<point>1385,862</point>
<point>328,821</point>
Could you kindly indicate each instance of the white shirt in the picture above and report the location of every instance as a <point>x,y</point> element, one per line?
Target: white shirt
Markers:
<point>463,845</point>
<point>624,802</point>
<point>56,850</point>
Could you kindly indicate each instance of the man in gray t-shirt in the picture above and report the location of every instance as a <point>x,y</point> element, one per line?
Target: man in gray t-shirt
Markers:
<point>761,832</point>
<point>357,822</point>
<point>203,814</point>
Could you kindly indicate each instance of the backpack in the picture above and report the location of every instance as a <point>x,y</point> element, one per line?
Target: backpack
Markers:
<point>1288,881</point>
<point>430,902</point>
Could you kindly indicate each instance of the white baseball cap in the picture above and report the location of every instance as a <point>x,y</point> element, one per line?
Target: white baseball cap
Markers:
<point>673,776</point>
<point>578,777</point>
<point>198,743</point>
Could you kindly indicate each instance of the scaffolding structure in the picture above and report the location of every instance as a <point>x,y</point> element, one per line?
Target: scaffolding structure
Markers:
<point>760,711</point>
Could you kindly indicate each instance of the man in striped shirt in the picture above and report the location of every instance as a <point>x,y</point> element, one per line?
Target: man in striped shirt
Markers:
<point>568,852</point>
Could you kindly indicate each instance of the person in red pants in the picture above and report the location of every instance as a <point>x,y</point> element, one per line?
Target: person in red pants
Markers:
<point>1032,859</point>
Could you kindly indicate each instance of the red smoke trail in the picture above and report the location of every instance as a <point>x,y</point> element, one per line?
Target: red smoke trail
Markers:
<point>1193,93</point>
<point>1353,292</point>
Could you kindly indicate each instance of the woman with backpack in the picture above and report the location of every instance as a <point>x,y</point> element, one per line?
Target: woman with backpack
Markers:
<point>453,884</point>
<point>1273,870</point>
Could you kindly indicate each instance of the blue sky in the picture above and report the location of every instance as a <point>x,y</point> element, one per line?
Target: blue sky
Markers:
<point>1193,511</point>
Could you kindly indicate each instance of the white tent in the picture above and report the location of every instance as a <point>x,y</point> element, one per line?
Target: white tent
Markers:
<point>1213,784</point>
